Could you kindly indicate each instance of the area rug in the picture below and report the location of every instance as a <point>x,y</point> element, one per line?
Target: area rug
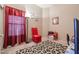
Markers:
<point>45,47</point>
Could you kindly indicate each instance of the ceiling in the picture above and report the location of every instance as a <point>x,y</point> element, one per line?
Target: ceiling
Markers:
<point>44,5</point>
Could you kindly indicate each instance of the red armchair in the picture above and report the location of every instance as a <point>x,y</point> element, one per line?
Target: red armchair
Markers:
<point>35,36</point>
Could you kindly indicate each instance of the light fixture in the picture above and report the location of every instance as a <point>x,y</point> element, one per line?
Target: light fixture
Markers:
<point>28,14</point>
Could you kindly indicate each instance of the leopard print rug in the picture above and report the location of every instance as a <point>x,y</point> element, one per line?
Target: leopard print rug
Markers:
<point>46,47</point>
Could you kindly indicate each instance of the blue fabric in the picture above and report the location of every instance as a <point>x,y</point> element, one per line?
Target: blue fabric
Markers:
<point>70,52</point>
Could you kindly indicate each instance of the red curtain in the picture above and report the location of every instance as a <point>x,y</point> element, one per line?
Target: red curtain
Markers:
<point>15,26</point>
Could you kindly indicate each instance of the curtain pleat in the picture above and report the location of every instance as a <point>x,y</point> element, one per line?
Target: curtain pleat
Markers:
<point>6,28</point>
<point>15,26</point>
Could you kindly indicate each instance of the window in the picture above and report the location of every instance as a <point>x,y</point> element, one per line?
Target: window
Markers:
<point>16,25</point>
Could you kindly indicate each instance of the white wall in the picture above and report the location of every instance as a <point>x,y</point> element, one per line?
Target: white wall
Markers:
<point>66,15</point>
<point>45,21</point>
<point>35,20</point>
<point>1,28</point>
<point>35,11</point>
<point>1,21</point>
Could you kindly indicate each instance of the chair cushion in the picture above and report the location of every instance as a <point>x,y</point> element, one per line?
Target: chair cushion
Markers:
<point>36,35</point>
